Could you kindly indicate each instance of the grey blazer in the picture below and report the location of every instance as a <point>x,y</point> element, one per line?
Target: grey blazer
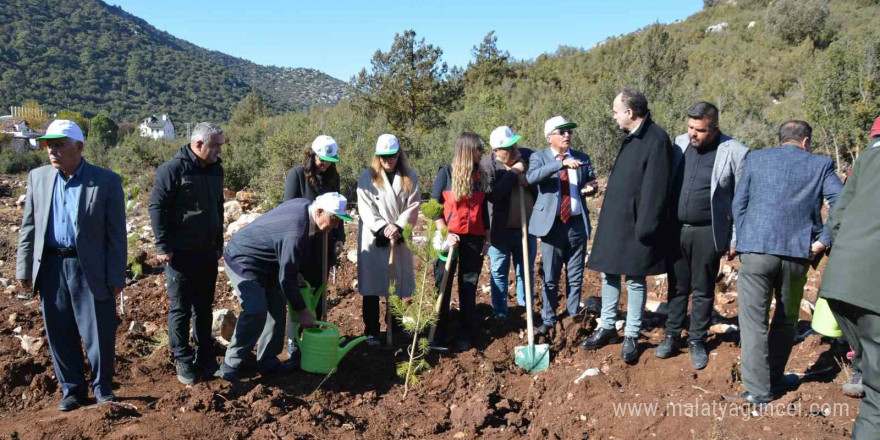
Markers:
<point>100,236</point>
<point>778,203</point>
<point>725,175</point>
<point>543,169</point>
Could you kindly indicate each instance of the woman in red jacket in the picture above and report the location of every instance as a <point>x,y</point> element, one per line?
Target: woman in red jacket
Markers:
<point>462,192</point>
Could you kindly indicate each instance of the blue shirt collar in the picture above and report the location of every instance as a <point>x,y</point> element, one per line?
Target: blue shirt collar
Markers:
<point>76,173</point>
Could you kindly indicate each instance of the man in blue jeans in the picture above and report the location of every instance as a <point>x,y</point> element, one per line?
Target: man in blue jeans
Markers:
<point>504,169</point>
<point>629,236</point>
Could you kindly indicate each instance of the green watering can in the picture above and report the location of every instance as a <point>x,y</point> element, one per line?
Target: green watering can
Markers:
<point>320,348</point>
<point>823,320</point>
<point>310,296</point>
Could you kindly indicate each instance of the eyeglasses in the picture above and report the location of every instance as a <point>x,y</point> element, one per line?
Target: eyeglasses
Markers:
<point>562,132</point>
<point>388,157</point>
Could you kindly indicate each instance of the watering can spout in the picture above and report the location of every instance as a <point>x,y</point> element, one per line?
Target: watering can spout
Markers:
<point>344,350</point>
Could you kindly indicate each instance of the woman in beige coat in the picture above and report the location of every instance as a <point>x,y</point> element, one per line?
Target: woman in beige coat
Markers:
<point>388,200</point>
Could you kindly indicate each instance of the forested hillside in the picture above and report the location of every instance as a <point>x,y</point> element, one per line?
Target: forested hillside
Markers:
<point>90,57</point>
<point>761,62</point>
<point>767,62</point>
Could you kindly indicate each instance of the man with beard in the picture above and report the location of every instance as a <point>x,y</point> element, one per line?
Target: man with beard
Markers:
<point>706,166</point>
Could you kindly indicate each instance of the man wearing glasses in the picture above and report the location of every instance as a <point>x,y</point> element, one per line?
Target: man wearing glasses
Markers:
<point>560,217</point>
<point>633,216</point>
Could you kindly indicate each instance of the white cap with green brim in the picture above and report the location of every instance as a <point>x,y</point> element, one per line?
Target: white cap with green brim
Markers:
<point>325,148</point>
<point>62,128</point>
<point>503,137</point>
<point>334,203</point>
<point>556,123</point>
<point>387,145</point>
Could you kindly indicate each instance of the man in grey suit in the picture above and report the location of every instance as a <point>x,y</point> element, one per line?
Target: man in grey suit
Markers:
<point>560,216</point>
<point>777,211</point>
<point>706,166</point>
<point>72,250</point>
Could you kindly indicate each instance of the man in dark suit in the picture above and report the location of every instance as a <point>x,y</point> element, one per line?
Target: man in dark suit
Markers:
<point>777,210</point>
<point>629,234</point>
<point>706,165</point>
<point>72,250</point>
<point>560,216</point>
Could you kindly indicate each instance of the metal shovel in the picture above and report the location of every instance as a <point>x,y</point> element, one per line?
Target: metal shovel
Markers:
<point>534,358</point>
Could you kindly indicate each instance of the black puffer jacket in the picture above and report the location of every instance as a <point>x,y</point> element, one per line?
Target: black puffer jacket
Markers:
<point>186,206</point>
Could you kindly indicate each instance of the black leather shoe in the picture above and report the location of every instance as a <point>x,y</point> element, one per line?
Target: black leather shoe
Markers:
<point>543,330</point>
<point>667,348</point>
<point>630,350</point>
<point>206,367</point>
<point>72,402</point>
<point>785,383</point>
<point>600,338</point>
<point>699,355</point>
<point>750,398</point>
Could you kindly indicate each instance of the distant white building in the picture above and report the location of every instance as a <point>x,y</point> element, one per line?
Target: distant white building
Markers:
<point>157,128</point>
<point>23,138</point>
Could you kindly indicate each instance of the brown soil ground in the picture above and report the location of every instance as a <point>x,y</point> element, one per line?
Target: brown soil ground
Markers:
<point>478,393</point>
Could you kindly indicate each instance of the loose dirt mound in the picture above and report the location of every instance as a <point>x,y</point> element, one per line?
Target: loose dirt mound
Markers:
<point>479,393</point>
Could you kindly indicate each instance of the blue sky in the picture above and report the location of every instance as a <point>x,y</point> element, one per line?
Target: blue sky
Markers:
<point>339,37</point>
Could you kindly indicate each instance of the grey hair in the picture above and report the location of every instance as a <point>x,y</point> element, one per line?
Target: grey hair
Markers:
<point>203,131</point>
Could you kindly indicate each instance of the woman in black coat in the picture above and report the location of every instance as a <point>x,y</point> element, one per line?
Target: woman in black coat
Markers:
<point>317,175</point>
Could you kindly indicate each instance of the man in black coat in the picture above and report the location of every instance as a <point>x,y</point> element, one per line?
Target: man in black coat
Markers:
<point>629,234</point>
<point>186,209</point>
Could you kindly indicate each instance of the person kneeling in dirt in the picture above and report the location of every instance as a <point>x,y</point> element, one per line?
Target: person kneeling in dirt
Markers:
<point>72,250</point>
<point>388,200</point>
<point>186,209</point>
<point>263,263</point>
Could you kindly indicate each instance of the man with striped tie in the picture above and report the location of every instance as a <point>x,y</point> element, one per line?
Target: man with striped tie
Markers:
<point>560,216</point>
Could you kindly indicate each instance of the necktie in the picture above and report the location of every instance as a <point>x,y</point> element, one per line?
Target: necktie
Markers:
<point>565,193</point>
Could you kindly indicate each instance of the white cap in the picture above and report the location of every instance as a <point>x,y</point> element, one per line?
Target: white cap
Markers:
<point>325,147</point>
<point>387,145</point>
<point>503,137</point>
<point>557,122</point>
<point>62,128</point>
<point>333,202</point>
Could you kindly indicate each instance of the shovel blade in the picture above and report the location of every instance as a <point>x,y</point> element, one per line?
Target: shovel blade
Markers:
<point>532,358</point>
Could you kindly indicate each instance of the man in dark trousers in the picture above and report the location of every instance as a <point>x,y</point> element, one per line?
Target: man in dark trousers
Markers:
<point>263,263</point>
<point>560,217</point>
<point>72,250</point>
<point>777,211</point>
<point>186,209</point>
<point>629,239</point>
<point>706,165</point>
<point>851,278</point>
<point>505,171</point>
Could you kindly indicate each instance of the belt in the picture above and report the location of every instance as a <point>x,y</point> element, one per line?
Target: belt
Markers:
<point>67,252</point>
<point>696,225</point>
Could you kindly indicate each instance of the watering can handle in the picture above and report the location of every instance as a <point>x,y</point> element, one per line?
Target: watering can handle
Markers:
<point>297,335</point>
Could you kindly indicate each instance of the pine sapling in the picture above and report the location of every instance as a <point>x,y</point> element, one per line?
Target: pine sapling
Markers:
<point>417,315</point>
